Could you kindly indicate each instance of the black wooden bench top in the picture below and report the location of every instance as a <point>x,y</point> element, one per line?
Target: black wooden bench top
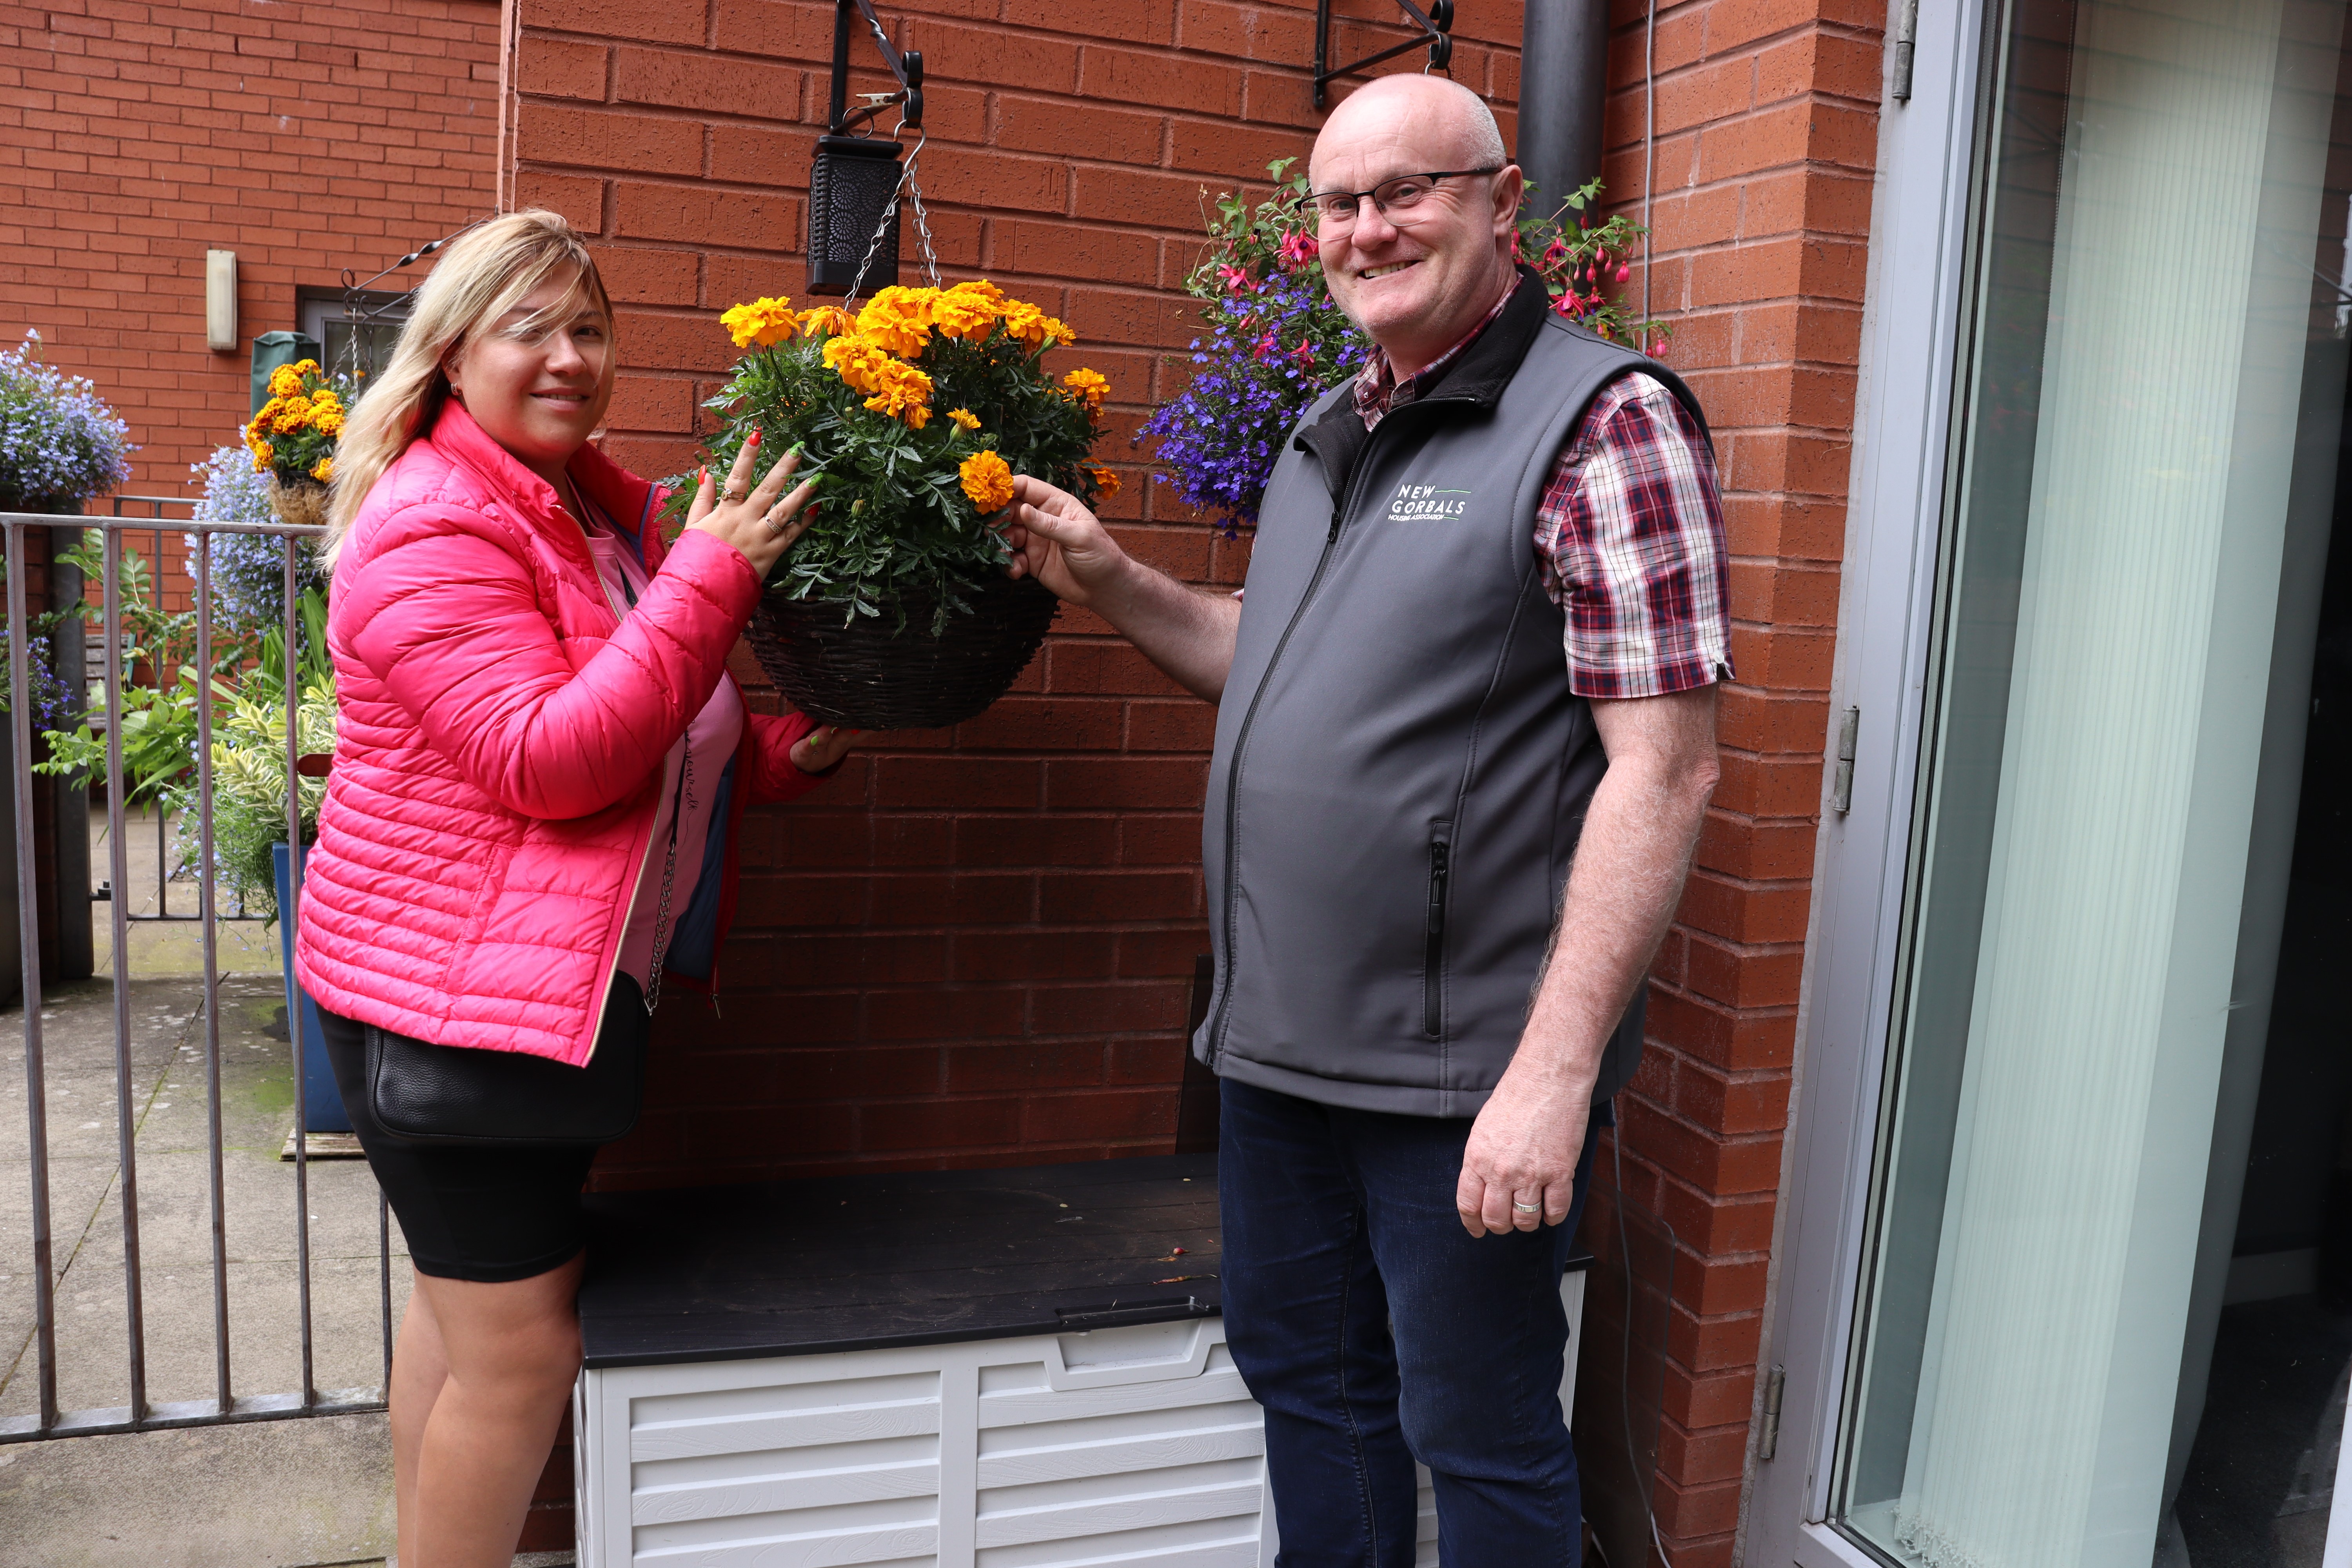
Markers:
<point>846,1263</point>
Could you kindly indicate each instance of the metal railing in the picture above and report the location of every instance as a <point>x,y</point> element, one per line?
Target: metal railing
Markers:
<point>225,1404</point>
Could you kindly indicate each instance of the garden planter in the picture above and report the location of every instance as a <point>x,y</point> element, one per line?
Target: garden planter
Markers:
<point>875,673</point>
<point>322,1102</point>
<point>301,502</point>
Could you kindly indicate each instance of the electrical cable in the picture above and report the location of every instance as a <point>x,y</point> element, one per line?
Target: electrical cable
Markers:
<point>1648,155</point>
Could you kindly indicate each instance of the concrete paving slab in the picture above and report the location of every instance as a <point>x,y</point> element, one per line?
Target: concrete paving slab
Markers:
<point>172,1115</point>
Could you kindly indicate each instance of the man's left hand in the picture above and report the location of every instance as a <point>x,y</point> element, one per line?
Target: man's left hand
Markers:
<point>1523,1151</point>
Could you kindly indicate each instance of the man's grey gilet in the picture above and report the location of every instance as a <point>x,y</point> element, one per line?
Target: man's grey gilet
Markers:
<point>1400,769</point>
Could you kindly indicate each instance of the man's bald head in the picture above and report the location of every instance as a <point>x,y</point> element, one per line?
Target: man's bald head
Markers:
<point>1442,117</point>
<point>1417,275</point>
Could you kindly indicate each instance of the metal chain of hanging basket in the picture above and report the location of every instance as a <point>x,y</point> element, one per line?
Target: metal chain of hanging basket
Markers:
<point>912,192</point>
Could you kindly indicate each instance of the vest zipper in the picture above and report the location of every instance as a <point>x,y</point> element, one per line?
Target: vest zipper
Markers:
<point>1223,1019</point>
<point>1432,963</point>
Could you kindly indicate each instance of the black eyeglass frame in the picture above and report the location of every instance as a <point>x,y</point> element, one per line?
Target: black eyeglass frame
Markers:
<point>1315,199</point>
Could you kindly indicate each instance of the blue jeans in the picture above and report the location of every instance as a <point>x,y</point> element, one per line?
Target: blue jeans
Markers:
<point>1375,1330</point>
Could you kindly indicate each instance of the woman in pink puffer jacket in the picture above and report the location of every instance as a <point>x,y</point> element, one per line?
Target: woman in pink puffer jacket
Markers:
<point>542,762</point>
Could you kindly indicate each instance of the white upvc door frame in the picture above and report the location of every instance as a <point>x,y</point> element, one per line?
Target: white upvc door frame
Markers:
<point>1915,317</point>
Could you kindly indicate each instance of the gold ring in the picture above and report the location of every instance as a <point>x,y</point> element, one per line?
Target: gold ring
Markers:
<point>731,496</point>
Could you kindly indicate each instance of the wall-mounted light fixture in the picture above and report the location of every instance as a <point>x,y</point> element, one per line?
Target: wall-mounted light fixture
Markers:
<point>220,302</point>
<point>854,183</point>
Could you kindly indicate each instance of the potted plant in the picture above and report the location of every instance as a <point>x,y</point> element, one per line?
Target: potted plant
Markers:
<point>893,611</point>
<point>1276,341</point>
<point>60,445</point>
<point>292,439</point>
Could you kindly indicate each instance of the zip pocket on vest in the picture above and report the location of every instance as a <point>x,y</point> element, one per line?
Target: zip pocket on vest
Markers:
<point>1432,963</point>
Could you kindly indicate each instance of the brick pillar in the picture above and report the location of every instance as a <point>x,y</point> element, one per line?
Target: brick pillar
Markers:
<point>1767,134</point>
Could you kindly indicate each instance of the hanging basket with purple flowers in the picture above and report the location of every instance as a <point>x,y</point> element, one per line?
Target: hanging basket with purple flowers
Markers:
<point>1274,340</point>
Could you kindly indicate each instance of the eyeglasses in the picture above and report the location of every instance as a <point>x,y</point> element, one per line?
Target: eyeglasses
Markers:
<point>1336,210</point>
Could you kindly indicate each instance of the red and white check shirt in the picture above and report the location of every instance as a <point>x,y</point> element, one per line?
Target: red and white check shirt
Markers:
<point>1629,534</point>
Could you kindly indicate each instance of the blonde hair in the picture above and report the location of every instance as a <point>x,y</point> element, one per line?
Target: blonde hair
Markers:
<point>482,276</point>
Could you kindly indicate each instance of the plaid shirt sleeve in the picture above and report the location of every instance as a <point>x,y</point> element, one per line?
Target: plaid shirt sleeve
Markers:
<point>1630,538</point>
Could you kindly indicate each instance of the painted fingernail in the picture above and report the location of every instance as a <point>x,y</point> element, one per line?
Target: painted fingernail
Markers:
<point>702,476</point>
<point>753,439</point>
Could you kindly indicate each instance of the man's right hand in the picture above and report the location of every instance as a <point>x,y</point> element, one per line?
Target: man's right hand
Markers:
<point>1058,540</point>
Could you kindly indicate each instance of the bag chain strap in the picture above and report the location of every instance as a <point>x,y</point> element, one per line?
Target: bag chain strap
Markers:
<point>669,876</point>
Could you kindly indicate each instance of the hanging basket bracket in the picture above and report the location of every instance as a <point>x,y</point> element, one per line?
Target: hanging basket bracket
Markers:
<point>1436,34</point>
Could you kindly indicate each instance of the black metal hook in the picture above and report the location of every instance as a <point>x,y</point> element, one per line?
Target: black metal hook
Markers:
<point>1436,32</point>
<point>907,67</point>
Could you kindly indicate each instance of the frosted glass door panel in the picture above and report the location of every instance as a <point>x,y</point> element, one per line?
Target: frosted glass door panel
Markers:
<point>2143,301</point>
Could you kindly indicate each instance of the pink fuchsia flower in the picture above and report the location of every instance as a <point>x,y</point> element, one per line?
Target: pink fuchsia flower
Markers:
<point>1265,346</point>
<point>1299,250</point>
<point>1624,272</point>
<point>1555,253</point>
<point>1236,279</point>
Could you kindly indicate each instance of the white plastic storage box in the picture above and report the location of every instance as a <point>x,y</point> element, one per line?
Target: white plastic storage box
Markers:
<point>977,1369</point>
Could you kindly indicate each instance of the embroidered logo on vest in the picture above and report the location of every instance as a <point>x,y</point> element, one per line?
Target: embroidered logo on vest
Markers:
<point>1427,503</point>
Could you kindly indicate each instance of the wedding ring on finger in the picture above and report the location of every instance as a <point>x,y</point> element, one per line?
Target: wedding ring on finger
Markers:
<point>1527,1208</point>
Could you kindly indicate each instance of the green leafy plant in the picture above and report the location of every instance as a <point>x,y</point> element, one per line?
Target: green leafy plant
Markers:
<point>912,417</point>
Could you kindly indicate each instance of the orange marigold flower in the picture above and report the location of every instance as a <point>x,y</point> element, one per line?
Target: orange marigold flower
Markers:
<point>963,418</point>
<point>295,416</point>
<point>328,421</point>
<point>766,322</point>
<point>1105,482</point>
<point>968,311</point>
<point>987,481</point>
<point>899,319</point>
<point>1025,321</point>
<point>857,360</point>
<point>1088,387</point>
<point>1059,331</point>
<point>285,382</point>
<point>263,455</point>
<point>324,469</point>
<point>825,320</point>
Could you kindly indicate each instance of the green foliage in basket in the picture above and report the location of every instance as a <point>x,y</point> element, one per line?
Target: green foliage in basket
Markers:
<point>913,416</point>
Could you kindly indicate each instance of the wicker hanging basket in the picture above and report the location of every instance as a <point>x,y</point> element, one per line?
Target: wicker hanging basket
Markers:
<point>302,502</point>
<point>870,674</point>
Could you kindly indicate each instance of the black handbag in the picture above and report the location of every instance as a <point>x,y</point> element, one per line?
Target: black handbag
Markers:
<point>419,1092</point>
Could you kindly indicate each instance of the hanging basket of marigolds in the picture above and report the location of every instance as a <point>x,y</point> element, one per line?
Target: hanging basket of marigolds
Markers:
<point>292,439</point>
<point>893,611</point>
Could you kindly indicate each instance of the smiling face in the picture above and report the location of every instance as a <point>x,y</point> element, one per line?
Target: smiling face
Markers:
<point>538,378</point>
<point>1416,287</point>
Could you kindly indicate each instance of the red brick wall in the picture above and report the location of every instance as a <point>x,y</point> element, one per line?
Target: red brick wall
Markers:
<point>1766,138</point>
<point>305,137</point>
<point>974,947</point>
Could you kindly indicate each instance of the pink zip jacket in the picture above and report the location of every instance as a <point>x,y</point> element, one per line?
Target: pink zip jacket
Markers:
<point>499,752</point>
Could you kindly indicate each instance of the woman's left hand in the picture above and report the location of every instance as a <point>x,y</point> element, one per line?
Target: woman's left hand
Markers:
<point>823,746</point>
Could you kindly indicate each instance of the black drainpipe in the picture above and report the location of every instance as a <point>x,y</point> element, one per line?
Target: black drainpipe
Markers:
<point>1563,84</point>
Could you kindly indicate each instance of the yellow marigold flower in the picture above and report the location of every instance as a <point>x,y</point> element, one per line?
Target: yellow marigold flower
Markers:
<point>1025,321</point>
<point>295,416</point>
<point>987,481</point>
<point>825,321</point>
<point>899,319</point>
<point>263,455</point>
<point>306,367</point>
<point>766,322</point>
<point>1087,387</point>
<point>285,382</point>
<point>857,360</point>
<point>902,392</point>
<point>1105,482</point>
<point>968,311</point>
<point>1060,332</point>
<point>324,469</point>
<point>328,421</point>
<point>964,418</point>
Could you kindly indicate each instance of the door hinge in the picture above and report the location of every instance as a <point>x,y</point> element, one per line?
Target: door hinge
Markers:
<point>1906,38</point>
<point>1842,790</point>
<point>1768,1441</point>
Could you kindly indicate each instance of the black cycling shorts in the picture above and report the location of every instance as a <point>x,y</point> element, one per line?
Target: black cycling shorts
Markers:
<point>488,1214</point>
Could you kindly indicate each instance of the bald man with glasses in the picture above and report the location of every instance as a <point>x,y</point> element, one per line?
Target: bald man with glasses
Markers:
<point>1466,742</point>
